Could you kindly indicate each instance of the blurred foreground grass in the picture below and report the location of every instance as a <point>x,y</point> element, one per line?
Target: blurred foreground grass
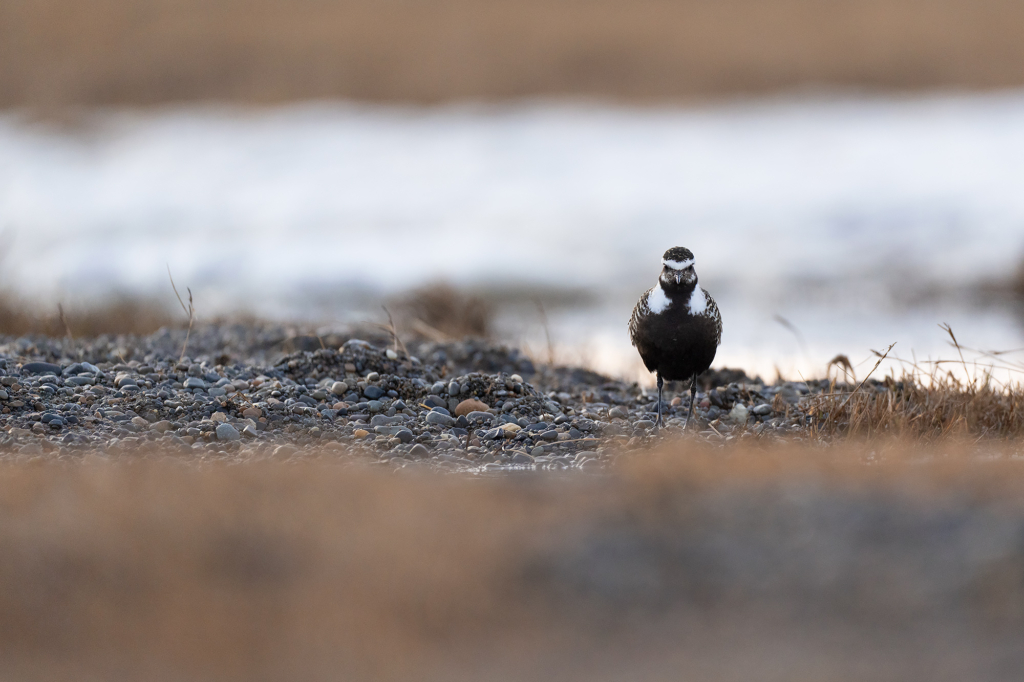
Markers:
<point>889,562</point>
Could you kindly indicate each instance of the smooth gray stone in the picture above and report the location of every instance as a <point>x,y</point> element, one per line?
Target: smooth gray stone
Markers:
<point>40,368</point>
<point>438,418</point>
<point>227,432</point>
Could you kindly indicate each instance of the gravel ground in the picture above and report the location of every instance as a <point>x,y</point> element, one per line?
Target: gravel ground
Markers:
<point>257,391</point>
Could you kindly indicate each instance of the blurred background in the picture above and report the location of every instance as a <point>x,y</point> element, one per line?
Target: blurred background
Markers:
<point>847,172</point>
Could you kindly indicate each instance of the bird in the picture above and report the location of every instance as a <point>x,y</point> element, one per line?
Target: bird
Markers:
<point>676,326</point>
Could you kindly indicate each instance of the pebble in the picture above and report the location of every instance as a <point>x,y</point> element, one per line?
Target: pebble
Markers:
<point>470,405</point>
<point>618,412</point>
<point>738,414</point>
<point>522,458</point>
<point>194,382</point>
<point>373,392</point>
<point>40,368</point>
<point>227,432</point>
<point>339,388</point>
<point>439,418</point>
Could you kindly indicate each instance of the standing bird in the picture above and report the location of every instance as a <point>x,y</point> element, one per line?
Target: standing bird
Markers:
<point>676,325</point>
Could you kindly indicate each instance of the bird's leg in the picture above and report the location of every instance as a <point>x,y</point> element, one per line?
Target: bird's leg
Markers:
<point>693,399</point>
<point>661,385</point>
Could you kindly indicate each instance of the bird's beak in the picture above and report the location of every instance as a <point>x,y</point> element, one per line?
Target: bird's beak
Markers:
<point>678,276</point>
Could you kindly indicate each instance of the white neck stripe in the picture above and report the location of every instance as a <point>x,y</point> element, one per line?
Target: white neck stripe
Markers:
<point>678,264</point>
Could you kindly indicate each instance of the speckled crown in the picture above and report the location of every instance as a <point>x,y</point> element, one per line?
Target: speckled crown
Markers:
<point>678,258</point>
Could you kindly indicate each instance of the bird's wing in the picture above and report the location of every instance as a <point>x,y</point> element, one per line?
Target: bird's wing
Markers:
<point>713,313</point>
<point>640,310</point>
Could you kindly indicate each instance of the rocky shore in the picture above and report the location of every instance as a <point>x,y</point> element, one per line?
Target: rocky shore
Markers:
<point>257,391</point>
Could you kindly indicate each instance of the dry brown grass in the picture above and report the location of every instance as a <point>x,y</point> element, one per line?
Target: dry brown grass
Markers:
<point>157,569</point>
<point>116,316</point>
<point>441,312</point>
<point>929,401</point>
<point>910,408</point>
<point>59,52</point>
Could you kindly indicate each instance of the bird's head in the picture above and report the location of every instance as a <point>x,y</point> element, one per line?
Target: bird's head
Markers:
<point>678,268</point>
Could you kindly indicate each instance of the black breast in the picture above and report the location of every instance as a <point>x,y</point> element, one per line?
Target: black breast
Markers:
<point>673,342</point>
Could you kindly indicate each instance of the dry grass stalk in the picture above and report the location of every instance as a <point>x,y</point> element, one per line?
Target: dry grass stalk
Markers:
<point>190,311</point>
<point>547,332</point>
<point>393,331</point>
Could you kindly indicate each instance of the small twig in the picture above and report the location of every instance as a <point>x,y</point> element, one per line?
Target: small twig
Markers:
<point>399,346</point>
<point>880,359</point>
<point>793,330</point>
<point>949,330</point>
<point>424,329</point>
<point>64,321</point>
<point>190,311</point>
<point>547,332</point>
